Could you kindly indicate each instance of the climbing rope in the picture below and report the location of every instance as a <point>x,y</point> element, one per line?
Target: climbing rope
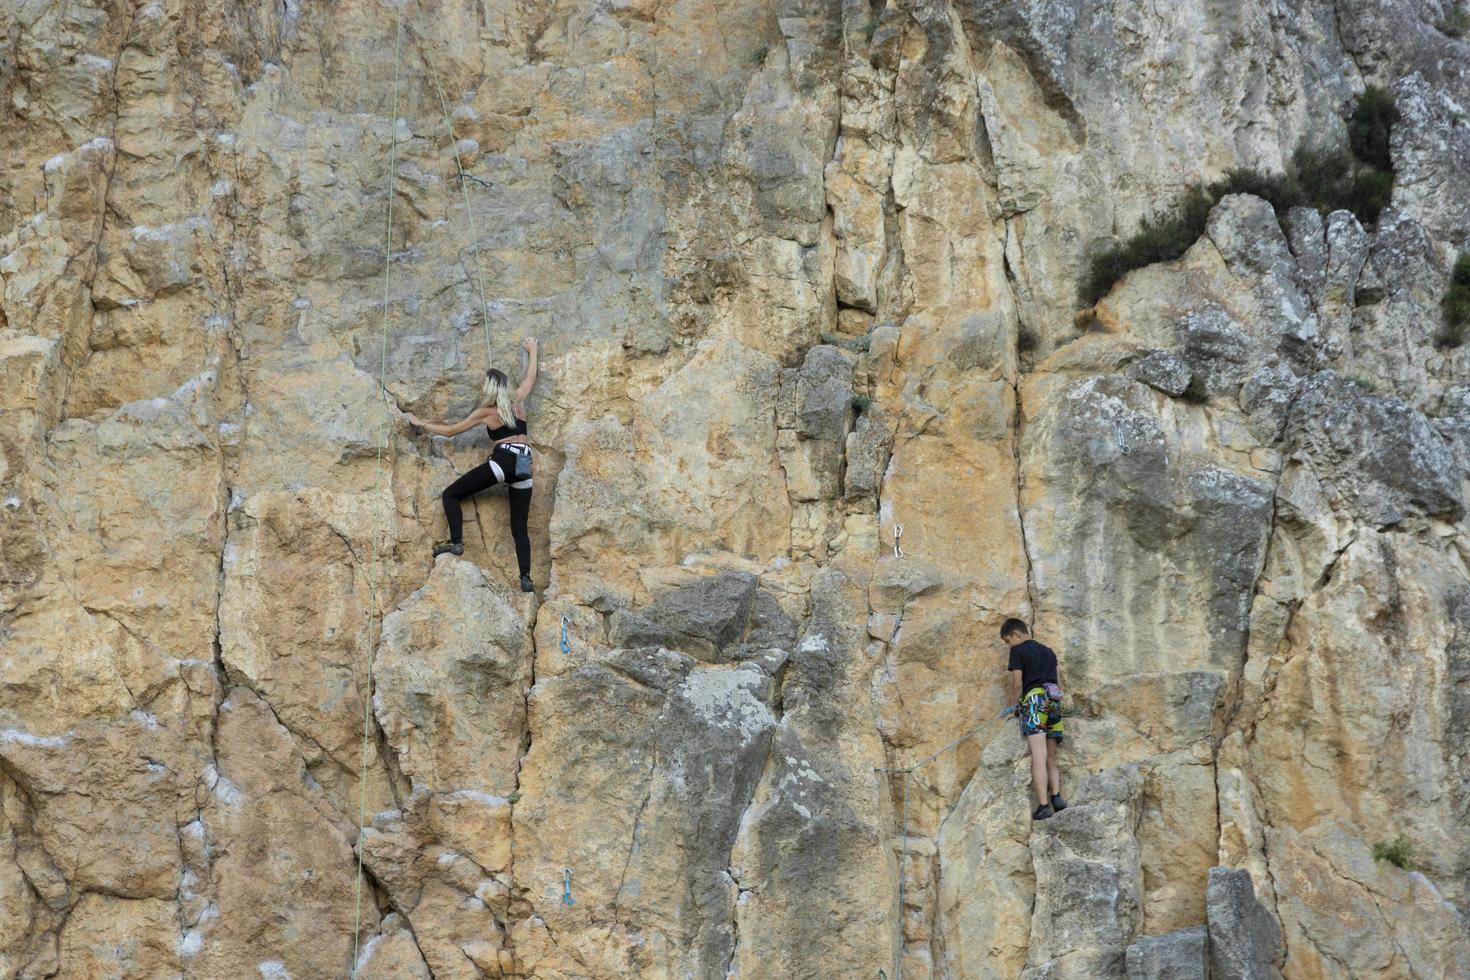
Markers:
<point>938,752</point>
<point>903,853</point>
<point>375,569</point>
<point>905,772</point>
<point>463,188</point>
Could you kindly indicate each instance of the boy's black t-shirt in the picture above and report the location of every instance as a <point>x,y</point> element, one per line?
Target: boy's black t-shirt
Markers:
<point>1036,662</point>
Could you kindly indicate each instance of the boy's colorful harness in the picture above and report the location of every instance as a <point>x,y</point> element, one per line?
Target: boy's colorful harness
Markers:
<point>1040,711</point>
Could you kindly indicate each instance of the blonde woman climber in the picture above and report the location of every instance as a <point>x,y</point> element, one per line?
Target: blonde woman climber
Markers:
<point>503,413</point>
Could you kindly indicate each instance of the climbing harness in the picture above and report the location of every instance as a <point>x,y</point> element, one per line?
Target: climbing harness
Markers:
<point>566,644</point>
<point>906,772</point>
<point>897,533</point>
<point>1040,710</point>
<point>566,887</point>
<point>375,569</point>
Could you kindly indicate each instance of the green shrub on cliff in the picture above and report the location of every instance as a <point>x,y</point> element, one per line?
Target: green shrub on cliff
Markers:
<point>1162,237</point>
<point>1282,191</point>
<point>1332,180</point>
<point>1456,23</point>
<point>1359,181</point>
<point>1455,307</point>
<point>1368,127</point>
<point>1398,852</point>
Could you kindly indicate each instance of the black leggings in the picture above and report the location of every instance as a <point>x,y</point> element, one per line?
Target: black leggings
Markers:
<point>483,477</point>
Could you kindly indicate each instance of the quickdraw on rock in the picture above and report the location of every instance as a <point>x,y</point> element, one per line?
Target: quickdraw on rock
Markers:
<point>566,644</point>
<point>566,887</point>
<point>897,533</point>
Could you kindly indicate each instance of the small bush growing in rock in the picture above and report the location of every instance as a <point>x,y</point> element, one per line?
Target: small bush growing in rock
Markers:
<point>1455,307</point>
<point>1027,340</point>
<point>1368,127</point>
<point>1359,181</point>
<point>1324,171</point>
<point>1367,195</point>
<point>1328,180</point>
<point>861,403</point>
<point>1456,23</point>
<point>1398,852</point>
<point>1162,237</point>
<point>1282,191</point>
<point>1331,180</point>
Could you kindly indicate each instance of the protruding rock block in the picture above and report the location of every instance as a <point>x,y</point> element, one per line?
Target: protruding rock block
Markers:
<point>717,619</point>
<point>1245,938</point>
<point>1089,883</point>
<point>451,681</point>
<point>1177,955</point>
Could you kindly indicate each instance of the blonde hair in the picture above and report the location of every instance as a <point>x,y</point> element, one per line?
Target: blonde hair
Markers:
<point>495,393</point>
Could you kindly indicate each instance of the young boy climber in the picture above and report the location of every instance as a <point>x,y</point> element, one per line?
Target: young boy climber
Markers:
<point>1036,686</point>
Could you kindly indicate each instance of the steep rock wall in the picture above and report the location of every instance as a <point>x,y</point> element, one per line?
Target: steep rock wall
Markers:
<point>815,415</point>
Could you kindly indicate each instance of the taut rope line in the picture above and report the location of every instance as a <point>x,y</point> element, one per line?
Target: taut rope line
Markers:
<point>903,838</point>
<point>464,191</point>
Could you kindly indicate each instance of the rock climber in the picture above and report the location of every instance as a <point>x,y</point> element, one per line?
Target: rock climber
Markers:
<point>503,413</point>
<point>1036,686</point>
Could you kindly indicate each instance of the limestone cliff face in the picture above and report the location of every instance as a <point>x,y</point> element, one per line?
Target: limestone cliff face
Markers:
<point>815,415</point>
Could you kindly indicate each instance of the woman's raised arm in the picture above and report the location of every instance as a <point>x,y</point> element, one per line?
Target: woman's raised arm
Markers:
<point>524,391</point>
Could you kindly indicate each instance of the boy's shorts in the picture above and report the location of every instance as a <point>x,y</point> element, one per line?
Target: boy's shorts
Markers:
<point>1041,712</point>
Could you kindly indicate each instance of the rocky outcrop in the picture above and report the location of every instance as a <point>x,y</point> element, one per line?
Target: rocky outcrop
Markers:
<point>1245,940</point>
<point>817,411</point>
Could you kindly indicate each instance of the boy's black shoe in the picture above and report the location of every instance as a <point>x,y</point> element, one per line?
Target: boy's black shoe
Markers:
<point>1042,812</point>
<point>1057,803</point>
<point>449,548</point>
<point>526,585</point>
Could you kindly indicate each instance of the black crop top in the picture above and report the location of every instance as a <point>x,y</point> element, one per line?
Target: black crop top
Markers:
<point>505,431</point>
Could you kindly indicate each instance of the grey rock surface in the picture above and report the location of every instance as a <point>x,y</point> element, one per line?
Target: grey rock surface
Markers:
<point>1245,939</point>
<point>1162,370</point>
<point>1181,954</point>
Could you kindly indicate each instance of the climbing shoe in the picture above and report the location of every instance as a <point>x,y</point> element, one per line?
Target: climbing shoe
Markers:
<point>449,548</point>
<point>1057,803</point>
<point>526,585</point>
<point>1042,812</point>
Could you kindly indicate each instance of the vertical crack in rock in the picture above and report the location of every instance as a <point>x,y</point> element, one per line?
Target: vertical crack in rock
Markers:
<point>525,749</point>
<point>638,817</point>
<point>1016,428</point>
<point>777,706</point>
<point>122,47</point>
